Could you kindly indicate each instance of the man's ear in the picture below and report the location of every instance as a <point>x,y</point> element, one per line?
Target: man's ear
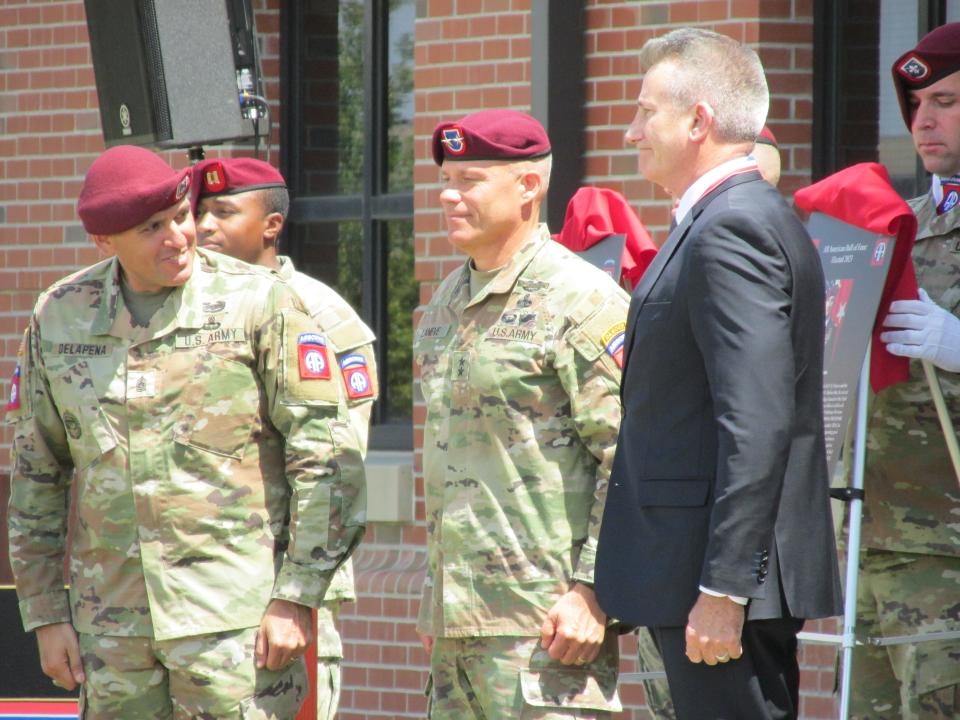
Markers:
<point>272,225</point>
<point>531,182</point>
<point>702,121</point>
<point>104,244</point>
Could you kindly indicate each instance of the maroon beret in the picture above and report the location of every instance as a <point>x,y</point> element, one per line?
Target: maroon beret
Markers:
<point>125,186</point>
<point>935,56</point>
<point>766,137</point>
<point>234,175</point>
<point>491,135</point>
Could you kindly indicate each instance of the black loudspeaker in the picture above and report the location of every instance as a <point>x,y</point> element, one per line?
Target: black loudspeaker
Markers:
<point>175,73</point>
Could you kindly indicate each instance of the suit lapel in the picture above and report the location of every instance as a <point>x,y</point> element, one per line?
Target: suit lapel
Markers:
<point>676,237</point>
<point>649,279</point>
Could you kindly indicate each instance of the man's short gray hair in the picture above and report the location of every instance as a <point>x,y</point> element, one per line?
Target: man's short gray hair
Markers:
<point>717,70</point>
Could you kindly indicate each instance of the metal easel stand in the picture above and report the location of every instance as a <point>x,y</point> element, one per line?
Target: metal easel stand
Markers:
<point>854,495</point>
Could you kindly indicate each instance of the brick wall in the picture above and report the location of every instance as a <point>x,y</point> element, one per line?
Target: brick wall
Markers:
<point>470,54</point>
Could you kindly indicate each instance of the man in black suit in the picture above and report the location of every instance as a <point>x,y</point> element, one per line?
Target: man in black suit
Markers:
<point>717,531</point>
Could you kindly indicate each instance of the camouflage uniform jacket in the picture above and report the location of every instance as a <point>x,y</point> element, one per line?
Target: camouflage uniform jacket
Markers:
<point>352,343</point>
<point>522,390</point>
<point>215,463</point>
<point>912,497</point>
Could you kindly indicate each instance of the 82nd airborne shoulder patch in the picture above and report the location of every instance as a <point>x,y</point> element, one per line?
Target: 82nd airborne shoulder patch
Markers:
<point>312,349</point>
<point>356,376</point>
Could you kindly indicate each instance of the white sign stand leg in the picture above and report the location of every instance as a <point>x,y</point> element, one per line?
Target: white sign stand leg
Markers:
<point>946,423</point>
<point>848,638</point>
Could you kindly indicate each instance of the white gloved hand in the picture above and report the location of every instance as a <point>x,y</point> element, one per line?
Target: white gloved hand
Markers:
<point>925,331</point>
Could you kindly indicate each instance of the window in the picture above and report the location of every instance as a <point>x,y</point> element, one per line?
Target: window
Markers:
<point>856,113</point>
<point>348,156</point>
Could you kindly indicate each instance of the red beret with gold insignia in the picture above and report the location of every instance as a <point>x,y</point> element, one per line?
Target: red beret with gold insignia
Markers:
<point>491,135</point>
<point>125,186</point>
<point>935,56</point>
<point>227,176</point>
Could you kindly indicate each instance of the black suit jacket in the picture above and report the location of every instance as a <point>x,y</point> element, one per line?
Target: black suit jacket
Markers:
<point>720,476</point>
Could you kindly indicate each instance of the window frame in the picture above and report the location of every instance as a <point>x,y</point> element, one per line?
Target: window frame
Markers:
<point>373,207</point>
<point>828,17</point>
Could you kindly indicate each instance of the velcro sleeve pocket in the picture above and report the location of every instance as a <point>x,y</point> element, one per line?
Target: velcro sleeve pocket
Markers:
<point>87,426</point>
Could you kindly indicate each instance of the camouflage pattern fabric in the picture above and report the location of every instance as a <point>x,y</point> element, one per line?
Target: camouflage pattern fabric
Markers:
<point>207,676</point>
<point>329,656</point>
<point>216,462</point>
<point>912,495</point>
<point>907,594</point>
<point>912,506</point>
<point>348,337</point>
<point>352,343</point>
<point>511,677</point>
<point>328,688</point>
<point>657,691</point>
<point>521,384</point>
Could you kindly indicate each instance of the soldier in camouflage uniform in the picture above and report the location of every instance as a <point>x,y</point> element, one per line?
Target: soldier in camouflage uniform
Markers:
<point>910,572</point>
<point>241,204</point>
<point>519,352</point>
<point>219,480</point>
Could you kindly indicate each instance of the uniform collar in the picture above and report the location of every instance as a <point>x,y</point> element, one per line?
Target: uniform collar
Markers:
<point>929,224</point>
<point>182,307</point>
<point>286,269</point>
<point>507,277</point>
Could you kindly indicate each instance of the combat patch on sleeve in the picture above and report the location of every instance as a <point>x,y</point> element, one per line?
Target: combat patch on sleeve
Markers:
<point>612,341</point>
<point>308,374</point>
<point>358,379</point>
<point>602,332</point>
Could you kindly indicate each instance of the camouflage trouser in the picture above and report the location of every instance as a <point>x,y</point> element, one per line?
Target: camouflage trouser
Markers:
<point>493,678</point>
<point>906,594</point>
<point>657,691</point>
<point>328,688</point>
<point>208,677</point>
<point>330,653</point>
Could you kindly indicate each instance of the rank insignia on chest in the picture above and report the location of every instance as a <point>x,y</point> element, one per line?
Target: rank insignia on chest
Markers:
<point>312,349</point>
<point>141,384</point>
<point>356,376</point>
<point>14,402</point>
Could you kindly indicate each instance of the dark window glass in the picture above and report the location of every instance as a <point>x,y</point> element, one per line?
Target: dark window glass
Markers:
<point>331,252</point>
<point>404,294</point>
<point>856,113</point>
<point>348,130</point>
<point>400,89</point>
<point>330,76</point>
<point>898,33</point>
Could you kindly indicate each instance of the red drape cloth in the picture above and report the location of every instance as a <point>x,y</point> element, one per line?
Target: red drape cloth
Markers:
<point>594,213</point>
<point>862,195</point>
